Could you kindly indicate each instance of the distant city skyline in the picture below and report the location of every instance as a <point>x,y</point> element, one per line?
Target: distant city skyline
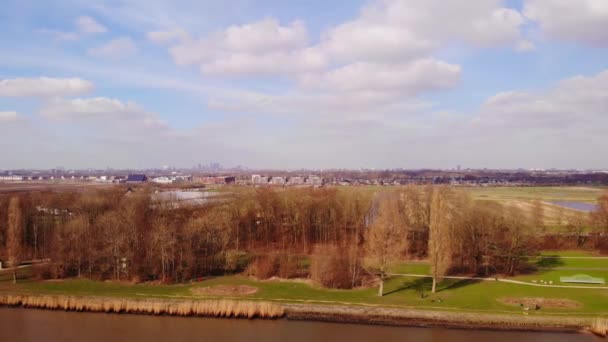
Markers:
<point>497,84</point>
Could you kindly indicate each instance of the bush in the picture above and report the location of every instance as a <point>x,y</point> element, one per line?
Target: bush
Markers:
<point>47,271</point>
<point>331,267</point>
<point>236,261</point>
<point>264,267</point>
<point>293,267</point>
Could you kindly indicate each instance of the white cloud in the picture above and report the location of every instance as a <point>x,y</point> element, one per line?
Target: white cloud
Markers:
<point>193,52</point>
<point>584,21</point>
<point>360,40</point>
<point>386,31</point>
<point>407,78</point>
<point>44,87</point>
<point>361,90</point>
<point>261,37</point>
<point>89,25</point>
<point>556,127</point>
<point>575,102</point>
<point>278,62</point>
<point>389,30</point>
<point>99,108</point>
<point>261,47</point>
<point>115,49</point>
<point>265,35</point>
<point>9,116</point>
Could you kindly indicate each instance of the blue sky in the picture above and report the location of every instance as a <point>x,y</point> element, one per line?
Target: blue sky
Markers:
<point>304,84</point>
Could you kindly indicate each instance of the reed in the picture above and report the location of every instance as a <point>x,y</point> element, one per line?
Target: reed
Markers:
<point>214,308</point>
<point>600,326</point>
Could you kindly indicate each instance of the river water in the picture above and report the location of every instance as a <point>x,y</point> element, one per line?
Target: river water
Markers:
<point>17,324</point>
<point>581,206</point>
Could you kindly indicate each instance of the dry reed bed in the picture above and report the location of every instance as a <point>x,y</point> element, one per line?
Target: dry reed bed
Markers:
<point>215,308</point>
<point>600,326</point>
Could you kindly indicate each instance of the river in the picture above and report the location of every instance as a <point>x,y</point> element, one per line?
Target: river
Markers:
<point>17,324</point>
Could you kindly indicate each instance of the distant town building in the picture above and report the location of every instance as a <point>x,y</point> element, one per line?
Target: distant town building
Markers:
<point>213,180</point>
<point>259,180</point>
<point>295,180</point>
<point>314,181</point>
<point>12,178</point>
<point>162,180</point>
<point>277,180</point>
<point>136,178</point>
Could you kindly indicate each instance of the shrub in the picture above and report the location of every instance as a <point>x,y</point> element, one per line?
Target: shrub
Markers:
<point>332,268</point>
<point>264,267</point>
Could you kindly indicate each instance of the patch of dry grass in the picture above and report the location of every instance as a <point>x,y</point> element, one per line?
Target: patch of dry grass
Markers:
<point>557,303</point>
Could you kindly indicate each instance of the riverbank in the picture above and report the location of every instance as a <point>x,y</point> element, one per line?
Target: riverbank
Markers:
<point>307,312</point>
<point>427,318</point>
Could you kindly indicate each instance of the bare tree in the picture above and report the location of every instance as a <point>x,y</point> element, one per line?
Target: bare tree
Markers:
<point>114,240</point>
<point>163,240</point>
<point>577,222</point>
<point>15,235</point>
<point>516,246</point>
<point>440,233</point>
<point>385,238</point>
<point>72,242</point>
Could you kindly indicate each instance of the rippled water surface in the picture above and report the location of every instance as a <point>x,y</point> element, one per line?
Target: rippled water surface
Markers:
<point>18,324</point>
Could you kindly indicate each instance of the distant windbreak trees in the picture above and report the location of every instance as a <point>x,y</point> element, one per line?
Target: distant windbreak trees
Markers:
<point>341,237</point>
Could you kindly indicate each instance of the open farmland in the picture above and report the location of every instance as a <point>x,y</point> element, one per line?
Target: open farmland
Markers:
<point>12,187</point>
<point>524,198</point>
<point>547,194</point>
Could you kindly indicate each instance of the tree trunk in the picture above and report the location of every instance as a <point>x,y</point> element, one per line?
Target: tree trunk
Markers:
<point>35,242</point>
<point>381,288</point>
<point>15,276</point>
<point>434,289</point>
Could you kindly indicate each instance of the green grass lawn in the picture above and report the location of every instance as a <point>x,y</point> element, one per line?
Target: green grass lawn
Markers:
<point>412,267</point>
<point>477,296</point>
<point>571,253</point>
<point>400,291</point>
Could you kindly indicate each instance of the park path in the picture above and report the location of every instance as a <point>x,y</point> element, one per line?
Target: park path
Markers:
<point>566,257</point>
<point>502,280</point>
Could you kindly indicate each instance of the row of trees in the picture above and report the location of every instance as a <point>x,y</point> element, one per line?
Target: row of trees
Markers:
<point>338,236</point>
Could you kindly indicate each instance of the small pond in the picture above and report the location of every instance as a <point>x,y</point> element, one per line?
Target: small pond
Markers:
<point>582,206</point>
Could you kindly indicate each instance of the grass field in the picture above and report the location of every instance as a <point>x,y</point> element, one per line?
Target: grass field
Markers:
<point>453,294</point>
<point>575,194</point>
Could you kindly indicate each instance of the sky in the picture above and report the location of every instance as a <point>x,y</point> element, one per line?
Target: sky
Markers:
<point>304,84</point>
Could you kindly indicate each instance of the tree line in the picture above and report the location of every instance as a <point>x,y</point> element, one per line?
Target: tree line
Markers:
<point>340,237</point>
